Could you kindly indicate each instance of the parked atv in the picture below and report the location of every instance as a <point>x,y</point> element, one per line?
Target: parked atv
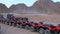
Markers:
<point>37,27</point>
<point>21,22</point>
<point>10,19</point>
<point>51,29</point>
<point>57,29</point>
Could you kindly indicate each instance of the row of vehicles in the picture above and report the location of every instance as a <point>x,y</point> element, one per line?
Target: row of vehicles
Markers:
<point>30,25</point>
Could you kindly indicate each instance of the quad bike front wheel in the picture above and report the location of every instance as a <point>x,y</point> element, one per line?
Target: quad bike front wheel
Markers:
<point>41,31</point>
<point>18,25</point>
<point>6,23</point>
<point>47,31</point>
<point>14,24</point>
<point>58,32</point>
<point>32,29</point>
<point>27,27</point>
<point>21,26</point>
<point>10,23</point>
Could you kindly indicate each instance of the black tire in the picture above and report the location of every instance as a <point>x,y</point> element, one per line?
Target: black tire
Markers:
<point>58,32</point>
<point>27,27</point>
<point>32,29</point>
<point>21,26</point>
<point>14,24</point>
<point>47,31</point>
<point>7,23</point>
<point>10,24</point>
<point>41,31</point>
<point>18,25</point>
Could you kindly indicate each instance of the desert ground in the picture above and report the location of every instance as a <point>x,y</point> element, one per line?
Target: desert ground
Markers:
<point>5,29</point>
<point>54,18</point>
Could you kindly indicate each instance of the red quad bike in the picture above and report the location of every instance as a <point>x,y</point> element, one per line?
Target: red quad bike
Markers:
<point>37,27</point>
<point>10,22</point>
<point>57,29</point>
<point>16,22</point>
<point>24,23</point>
<point>51,29</point>
<point>10,19</point>
<point>4,21</point>
<point>21,22</point>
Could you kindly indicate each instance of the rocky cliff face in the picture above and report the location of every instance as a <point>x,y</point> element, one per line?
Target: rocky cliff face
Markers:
<point>39,7</point>
<point>45,6</point>
<point>3,8</point>
<point>22,8</point>
<point>19,8</point>
<point>57,8</point>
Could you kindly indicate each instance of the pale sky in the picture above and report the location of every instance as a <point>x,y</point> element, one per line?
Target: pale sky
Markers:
<point>8,3</point>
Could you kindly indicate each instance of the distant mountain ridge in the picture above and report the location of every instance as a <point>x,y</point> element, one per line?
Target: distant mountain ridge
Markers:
<point>3,8</point>
<point>39,7</point>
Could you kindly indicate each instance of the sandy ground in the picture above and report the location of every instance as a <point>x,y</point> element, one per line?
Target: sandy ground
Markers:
<point>5,29</point>
<point>50,19</point>
<point>39,17</point>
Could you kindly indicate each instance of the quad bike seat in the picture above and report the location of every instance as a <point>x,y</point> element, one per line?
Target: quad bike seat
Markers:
<point>41,22</point>
<point>50,25</point>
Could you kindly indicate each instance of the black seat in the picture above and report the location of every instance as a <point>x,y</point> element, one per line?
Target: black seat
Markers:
<point>52,26</point>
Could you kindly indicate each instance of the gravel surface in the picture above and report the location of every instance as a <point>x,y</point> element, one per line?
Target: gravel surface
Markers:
<point>5,29</point>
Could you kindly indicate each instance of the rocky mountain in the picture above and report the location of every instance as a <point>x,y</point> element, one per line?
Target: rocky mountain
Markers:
<point>3,8</point>
<point>22,9</point>
<point>57,7</point>
<point>39,7</point>
<point>19,8</point>
<point>44,6</point>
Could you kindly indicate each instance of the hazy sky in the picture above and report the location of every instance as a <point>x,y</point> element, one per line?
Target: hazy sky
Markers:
<point>8,3</point>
